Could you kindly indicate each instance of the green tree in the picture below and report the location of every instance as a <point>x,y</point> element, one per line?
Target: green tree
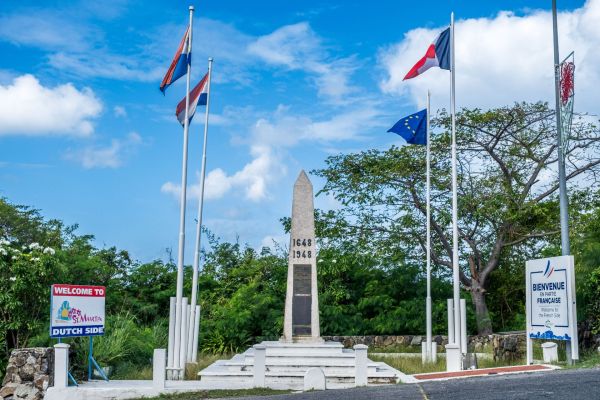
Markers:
<point>24,225</point>
<point>242,295</point>
<point>507,191</point>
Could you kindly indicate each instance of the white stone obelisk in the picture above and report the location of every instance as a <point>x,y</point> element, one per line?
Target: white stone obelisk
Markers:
<point>301,319</point>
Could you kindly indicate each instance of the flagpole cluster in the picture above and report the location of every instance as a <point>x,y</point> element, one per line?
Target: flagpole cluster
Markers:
<point>184,317</point>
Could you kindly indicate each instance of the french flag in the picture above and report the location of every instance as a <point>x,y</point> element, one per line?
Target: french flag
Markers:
<point>198,95</point>
<point>179,64</point>
<point>437,55</point>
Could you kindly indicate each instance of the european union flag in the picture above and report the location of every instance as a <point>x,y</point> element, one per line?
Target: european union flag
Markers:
<point>412,128</point>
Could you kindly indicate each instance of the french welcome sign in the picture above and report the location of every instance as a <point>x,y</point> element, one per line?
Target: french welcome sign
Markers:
<point>77,310</point>
<point>551,298</point>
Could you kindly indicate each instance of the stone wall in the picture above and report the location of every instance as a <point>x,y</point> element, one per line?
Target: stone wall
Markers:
<point>385,341</point>
<point>28,374</point>
<point>509,347</point>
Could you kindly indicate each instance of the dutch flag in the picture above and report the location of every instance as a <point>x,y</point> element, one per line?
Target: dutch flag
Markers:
<point>437,55</point>
<point>198,95</point>
<point>178,67</point>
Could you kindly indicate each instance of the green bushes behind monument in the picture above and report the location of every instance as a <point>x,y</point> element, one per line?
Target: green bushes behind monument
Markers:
<point>241,290</point>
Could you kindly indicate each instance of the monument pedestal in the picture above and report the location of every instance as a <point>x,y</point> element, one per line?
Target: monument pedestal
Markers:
<point>285,363</point>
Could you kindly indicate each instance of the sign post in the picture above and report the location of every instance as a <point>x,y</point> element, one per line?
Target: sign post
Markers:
<point>78,310</point>
<point>551,302</point>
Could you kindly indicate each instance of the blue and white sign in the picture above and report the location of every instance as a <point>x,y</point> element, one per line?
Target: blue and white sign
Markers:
<point>551,308</point>
<point>77,310</point>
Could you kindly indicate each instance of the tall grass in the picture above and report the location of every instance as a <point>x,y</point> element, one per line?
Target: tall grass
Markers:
<point>204,360</point>
<point>414,365</point>
<point>411,365</point>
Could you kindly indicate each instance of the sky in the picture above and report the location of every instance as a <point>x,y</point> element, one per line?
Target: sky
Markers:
<point>87,137</point>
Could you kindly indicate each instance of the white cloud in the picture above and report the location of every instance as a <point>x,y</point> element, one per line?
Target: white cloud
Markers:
<point>212,38</point>
<point>252,179</point>
<point>44,29</point>
<point>76,45</point>
<point>502,59</point>
<point>111,156</point>
<point>298,47</point>
<point>7,76</point>
<point>275,241</point>
<point>105,65</point>
<point>289,45</point>
<point>285,129</point>
<point>269,142</point>
<point>28,108</point>
<point>120,111</point>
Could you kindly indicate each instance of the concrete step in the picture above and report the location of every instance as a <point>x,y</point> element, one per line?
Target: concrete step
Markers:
<point>302,361</point>
<point>300,349</point>
<point>337,356</point>
<point>293,382</point>
<point>225,370</point>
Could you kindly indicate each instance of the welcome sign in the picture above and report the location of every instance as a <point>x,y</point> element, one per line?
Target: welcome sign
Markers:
<point>551,308</point>
<point>77,310</point>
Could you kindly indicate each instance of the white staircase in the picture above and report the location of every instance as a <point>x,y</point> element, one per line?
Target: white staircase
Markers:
<point>286,364</point>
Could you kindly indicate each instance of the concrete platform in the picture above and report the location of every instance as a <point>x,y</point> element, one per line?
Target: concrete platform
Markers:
<point>101,390</point>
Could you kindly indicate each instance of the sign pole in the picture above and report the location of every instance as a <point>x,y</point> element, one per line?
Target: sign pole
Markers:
<point>90,356</point>
<point>562,181</point>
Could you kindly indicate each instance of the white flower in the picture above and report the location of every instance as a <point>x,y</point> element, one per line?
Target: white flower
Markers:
<point>4,242</point>
<point>3,251</point>
<point>24,247</point>
<point>35,259</point>
<point>49,250</point>
<point>334,261</point>
<point>12,278</point>
<point>14,258</point>
<point>35,246</point>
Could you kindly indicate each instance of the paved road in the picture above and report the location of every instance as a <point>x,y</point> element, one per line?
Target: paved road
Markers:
<point>579,384</point>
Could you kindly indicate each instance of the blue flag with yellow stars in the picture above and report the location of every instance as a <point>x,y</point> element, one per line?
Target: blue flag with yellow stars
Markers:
<point>412,128</point>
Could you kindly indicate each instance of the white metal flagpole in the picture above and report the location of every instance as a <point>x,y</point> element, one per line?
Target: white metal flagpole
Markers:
<point>428,190</point>
<point>180,254</point>
<point>455,270</point>
<point>192,329</point>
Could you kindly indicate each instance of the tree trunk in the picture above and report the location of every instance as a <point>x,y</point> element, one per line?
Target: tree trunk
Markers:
<point>482,315</point>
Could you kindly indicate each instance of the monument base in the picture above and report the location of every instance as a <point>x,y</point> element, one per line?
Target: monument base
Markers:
<point>302,339</point>
<point>286,364</point>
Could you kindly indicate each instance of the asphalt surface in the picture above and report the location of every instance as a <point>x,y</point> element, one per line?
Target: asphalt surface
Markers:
<point>576,384</point>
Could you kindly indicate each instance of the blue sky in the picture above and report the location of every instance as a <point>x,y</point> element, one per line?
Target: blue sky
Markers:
<point>87,137</point>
